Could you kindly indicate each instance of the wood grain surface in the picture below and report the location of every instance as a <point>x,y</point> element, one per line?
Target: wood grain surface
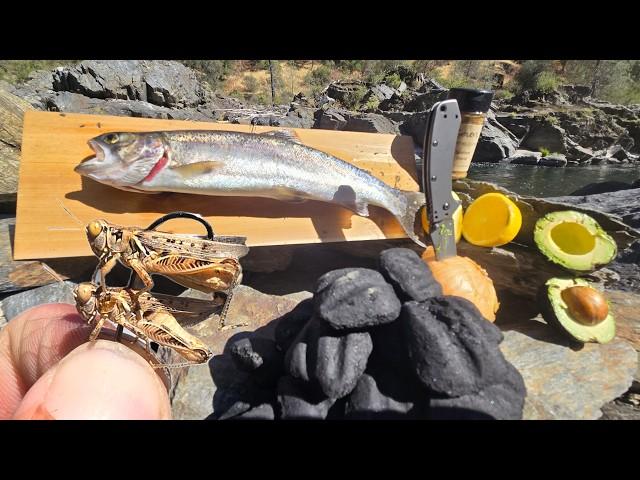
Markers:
<point>54,143</point>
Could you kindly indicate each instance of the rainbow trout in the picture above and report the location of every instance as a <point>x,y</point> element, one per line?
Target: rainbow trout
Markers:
<point>273,165</point>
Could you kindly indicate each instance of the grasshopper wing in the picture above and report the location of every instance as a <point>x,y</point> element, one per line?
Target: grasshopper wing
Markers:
<point>190,311</point>
<point>193,246</point>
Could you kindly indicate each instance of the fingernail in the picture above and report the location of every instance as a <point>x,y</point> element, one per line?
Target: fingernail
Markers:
<point>104,380</point>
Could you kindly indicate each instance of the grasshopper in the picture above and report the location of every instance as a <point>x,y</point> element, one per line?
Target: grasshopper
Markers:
<point>206,265</point>
<point>154,323</point>
<point>160,318</point>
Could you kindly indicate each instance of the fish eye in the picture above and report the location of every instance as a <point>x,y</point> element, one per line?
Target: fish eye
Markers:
<point>94,228</point>
<point>111,138</point>
<point>84,292</point>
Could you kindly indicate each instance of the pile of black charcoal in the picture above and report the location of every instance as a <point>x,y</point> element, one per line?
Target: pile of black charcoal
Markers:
<point>373,345</point>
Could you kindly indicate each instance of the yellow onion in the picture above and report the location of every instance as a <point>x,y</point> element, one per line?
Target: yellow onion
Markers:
<point>462,277</point>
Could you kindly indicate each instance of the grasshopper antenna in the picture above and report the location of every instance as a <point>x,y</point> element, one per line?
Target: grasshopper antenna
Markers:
<point>78,221</point>
<point>57,277</point>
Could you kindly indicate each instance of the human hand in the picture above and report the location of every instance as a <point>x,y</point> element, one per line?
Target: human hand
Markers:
<point>48,370</point>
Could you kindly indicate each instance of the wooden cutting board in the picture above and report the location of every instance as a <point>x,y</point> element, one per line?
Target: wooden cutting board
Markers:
<point>54,143</point>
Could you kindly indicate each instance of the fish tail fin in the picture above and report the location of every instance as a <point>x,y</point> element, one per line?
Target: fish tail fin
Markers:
<point>410,219</point>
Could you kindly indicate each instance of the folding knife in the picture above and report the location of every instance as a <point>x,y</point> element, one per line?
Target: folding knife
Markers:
<point>439,150</point>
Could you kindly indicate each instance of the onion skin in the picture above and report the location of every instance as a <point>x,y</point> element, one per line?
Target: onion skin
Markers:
<point>586,305</point>
<point>462,277</point>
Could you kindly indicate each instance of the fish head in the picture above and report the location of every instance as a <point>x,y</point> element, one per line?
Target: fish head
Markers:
<point>124,159</point>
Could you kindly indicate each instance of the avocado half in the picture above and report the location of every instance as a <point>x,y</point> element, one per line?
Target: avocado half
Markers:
<point>556,312</point>
<point>574,240</point>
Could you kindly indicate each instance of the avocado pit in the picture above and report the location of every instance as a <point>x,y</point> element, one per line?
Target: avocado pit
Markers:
<point>586,305</point>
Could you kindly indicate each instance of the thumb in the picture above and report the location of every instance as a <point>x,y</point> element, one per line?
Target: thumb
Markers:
<point>98,380</point>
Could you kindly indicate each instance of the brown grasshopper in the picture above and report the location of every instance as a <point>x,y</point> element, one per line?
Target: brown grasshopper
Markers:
<point>155,321</point>
<point>206,265</point>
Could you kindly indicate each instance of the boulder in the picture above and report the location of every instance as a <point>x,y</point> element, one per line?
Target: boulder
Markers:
<point>519,125</point>
<point>495,144</point>
<point>370,122</point>
<point>621,203</point>
<point>525,157</point>
<point>171,84</point>
<point>159,82</point>
<point>330,119</point>
<point>553,160</point>
<point>602,187</point>
<point>424,101</point>
<point>343,91</point>
<point>122,79</point>
<point>392,104</point>
<point>545,135</point>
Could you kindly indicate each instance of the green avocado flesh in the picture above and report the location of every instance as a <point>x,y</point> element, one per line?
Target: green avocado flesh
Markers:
<point>574,240</point>
<point>556,312</point>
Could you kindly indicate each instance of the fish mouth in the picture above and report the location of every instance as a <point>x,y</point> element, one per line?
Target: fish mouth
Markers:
<point>89,164</point>
<point>97,149</point>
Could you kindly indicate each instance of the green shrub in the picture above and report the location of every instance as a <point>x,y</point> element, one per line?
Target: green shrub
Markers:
<point>250,83</point>
<point>393,80</point>
<point>19,71</point>
<point>319,77</point>
<point>546,82</point>
<point>212,72</point>
<point>527,76</point>
<point>353,99</point>
<point>503,94</point>
<point>372,103</point>
<point>545,151</point>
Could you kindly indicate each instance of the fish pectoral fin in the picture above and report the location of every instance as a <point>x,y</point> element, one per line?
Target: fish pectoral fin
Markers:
<point>289,135</point>
<point>290,195</point>
<point>198,168</point>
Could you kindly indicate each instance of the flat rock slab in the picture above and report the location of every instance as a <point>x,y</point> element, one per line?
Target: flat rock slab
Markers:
<point>626,309</point>
<point>192,397</point>
<point>14,305</point>
<point>25,274</point>
<point>562,382</point>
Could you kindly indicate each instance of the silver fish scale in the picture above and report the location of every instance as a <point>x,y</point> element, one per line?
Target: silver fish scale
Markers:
<point>260,165</point>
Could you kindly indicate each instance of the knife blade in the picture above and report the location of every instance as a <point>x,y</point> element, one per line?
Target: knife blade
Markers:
<point>439,150</point>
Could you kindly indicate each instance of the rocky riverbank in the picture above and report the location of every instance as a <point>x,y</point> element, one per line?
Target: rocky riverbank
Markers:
<point>570,127</point>
<point>556,129</point>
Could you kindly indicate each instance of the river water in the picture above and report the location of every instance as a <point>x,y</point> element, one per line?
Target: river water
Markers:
<point>549,181</point>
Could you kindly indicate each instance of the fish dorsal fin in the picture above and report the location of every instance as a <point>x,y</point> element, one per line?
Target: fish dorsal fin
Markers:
<point>289,135</point>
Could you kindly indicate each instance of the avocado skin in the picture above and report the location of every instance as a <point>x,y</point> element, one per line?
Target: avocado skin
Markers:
<point>606,245</point>
<point>550,316</point>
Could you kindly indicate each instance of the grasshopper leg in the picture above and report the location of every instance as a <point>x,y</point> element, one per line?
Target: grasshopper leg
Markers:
<point>138,267</point>
<point>225,309</point>
<point>96,331</point>
<point>106,268</point>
